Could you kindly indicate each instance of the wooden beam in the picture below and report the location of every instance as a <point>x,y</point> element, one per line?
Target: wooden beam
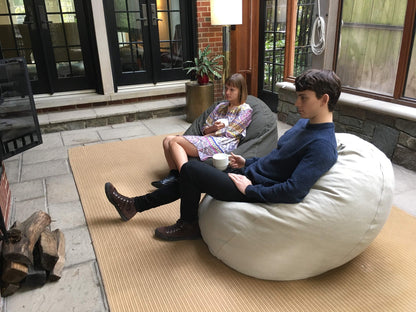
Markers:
<point>406,48</point>
<point>292,6</point>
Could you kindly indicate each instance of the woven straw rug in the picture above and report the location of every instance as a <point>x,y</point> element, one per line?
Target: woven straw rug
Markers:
<point>141,273</point>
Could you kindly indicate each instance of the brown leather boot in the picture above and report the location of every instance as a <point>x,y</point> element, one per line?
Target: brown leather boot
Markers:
<point>181,230</point>
<point>124,205</point>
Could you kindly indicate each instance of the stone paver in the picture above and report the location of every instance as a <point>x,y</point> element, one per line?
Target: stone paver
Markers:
<point>50,140</point>
<point>61,189</point>
<point>78,246</point>
<point>66,215</point>
<point>79,137</point>
<point>24,209</point>
<point>166,125</point>
<point>27,190</point>
<point>13,169</point>
<point>33,157</point>
<point>76,291</point>
<point>136,130</point>
<point>45,169</point>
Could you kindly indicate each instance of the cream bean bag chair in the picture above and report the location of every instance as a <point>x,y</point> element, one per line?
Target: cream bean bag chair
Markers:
<point>342,214</point>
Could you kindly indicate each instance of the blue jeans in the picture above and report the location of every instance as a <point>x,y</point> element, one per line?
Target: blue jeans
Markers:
<point>195,178</point>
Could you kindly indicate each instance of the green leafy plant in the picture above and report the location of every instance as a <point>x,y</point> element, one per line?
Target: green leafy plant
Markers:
<point>205,67</point>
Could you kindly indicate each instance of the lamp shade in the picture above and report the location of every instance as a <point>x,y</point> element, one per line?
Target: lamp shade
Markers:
<point>226,12</point>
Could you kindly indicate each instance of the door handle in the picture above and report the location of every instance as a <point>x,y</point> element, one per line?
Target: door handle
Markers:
<point>154,15</point>
<point>28,20</point>
<point>144,16</point>
<point>43,17</point>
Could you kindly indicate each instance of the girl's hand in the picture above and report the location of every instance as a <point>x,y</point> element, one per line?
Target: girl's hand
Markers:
<point>218,125</point>
<point>236,161</point>
<point>214,128</point>
<point>240,181</point>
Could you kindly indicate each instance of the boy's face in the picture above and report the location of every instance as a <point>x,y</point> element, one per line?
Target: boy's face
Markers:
<point>310,107</point>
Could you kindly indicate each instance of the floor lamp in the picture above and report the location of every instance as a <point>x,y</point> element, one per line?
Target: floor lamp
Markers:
<point>226,13</point>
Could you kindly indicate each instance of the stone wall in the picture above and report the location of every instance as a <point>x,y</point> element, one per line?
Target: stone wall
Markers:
<point>392,133</point>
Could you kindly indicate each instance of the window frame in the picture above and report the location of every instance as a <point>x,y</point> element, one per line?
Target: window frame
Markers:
<point>409,34</point>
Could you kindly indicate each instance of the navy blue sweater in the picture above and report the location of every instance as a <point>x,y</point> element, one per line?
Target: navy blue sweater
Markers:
<point>303,154</point>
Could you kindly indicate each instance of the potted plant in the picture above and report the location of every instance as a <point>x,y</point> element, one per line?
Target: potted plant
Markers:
<point>205,68</point>
<point>200,93</point>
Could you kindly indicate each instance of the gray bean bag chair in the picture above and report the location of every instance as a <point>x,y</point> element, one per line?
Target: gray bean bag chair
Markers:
<point>261,136</point>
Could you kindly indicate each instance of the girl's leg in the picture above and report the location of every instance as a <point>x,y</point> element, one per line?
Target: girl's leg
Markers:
<point>167,151</point>
<point>176,149</point>
<point>180,148</point>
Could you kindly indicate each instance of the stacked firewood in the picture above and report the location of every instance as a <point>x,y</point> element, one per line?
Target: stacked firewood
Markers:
<point>32,254</point>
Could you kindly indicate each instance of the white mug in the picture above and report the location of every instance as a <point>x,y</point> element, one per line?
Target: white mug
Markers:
<point>224,121</point>
<point>223,130</point>
<point>220,161</point>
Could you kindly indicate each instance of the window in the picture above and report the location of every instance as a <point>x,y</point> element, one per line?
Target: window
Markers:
<point>287,30</point>
<point>376,51</point>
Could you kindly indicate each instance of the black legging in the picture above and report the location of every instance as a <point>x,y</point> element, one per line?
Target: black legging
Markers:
<point>195,178</point>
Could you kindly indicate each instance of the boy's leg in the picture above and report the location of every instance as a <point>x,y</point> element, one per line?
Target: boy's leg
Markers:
<point>197,178</point>
<point>128,206</point>
<point>162,196</point>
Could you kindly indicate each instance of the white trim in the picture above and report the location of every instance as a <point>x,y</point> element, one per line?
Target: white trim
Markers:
<point>102,46</point>
<point>61,99</point>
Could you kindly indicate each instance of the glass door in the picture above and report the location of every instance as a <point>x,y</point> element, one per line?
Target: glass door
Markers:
<point>149,39</point>
<point>284,53</point>
<point>52,35</point>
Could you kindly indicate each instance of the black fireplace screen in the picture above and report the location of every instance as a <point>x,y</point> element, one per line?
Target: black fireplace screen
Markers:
<point>19,126</point>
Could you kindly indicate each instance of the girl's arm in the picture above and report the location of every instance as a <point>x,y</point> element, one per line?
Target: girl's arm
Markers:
<point>240,123</point>
<point>209,127</point>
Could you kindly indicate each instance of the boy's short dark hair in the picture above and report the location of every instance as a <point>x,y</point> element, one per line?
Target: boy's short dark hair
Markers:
<point>322,82</point>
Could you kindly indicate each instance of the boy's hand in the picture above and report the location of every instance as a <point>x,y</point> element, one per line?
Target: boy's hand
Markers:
<point>236,161</point>
<point>240,181</point>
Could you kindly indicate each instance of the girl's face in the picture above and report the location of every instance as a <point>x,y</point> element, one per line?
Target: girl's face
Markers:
<point>232,94</point>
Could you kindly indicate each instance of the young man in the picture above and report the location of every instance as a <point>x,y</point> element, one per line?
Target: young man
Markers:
<point>303,154</point>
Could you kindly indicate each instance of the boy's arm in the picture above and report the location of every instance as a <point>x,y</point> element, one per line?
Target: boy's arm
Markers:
<point>317,161</point>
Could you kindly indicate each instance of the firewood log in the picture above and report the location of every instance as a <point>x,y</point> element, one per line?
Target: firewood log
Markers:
<point>13,272</point>
<point>56,273</point>
<point>9,289</point>
<point>47,249</point>
<point>22,250</point>
<point>36,277</point>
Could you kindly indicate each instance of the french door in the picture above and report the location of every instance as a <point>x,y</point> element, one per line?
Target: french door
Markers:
<point>149,39</point>
<point>282,55</point>
<point>53,37</point>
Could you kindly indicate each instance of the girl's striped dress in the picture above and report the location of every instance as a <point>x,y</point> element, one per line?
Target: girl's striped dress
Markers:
<point>225,140</point>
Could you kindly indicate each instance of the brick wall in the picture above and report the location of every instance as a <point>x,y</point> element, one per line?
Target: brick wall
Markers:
<point>5,195</point>
<point>5,201</point>
<point>208,34</point>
